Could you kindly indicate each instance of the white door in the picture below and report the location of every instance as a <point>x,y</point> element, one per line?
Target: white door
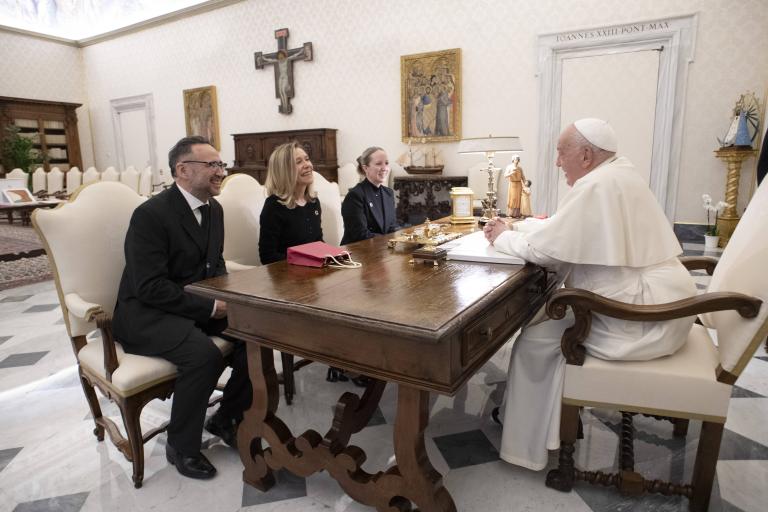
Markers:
<point>133,119</point>
<point>135,139</point>
<point>620,88</point>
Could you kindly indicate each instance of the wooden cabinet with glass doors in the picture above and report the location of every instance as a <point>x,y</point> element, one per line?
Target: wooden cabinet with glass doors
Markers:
<point>51,125</point>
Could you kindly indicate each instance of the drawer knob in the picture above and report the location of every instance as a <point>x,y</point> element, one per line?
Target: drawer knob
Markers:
<point>487,332</point>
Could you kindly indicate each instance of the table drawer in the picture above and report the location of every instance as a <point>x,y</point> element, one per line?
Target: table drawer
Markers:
<point>496,325</point>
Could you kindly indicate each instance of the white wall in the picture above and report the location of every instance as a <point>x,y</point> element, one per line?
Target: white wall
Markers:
<point>45,70</point>
<point>353,84</point>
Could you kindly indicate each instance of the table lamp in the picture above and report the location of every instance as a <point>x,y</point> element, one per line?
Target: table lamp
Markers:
<point>490,146</point>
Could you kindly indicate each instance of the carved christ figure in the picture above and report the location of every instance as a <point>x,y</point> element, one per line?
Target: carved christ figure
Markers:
<point>283,76</point>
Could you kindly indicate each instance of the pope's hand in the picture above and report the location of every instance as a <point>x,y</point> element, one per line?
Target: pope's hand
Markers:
<point>493,228</point>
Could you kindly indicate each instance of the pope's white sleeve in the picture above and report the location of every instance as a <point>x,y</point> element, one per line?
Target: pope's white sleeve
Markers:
<point>516,244</point>
<point>530,224</point>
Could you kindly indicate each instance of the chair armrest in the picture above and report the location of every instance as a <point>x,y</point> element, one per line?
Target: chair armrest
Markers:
<point>104,322</point>
<point>233,266</point>
<point>584,303</point>
<point>81,308</point>
<point>707,263</point>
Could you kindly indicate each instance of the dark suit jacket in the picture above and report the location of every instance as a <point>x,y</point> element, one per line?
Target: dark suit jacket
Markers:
<point>165,250</point>
<point>363,214</point>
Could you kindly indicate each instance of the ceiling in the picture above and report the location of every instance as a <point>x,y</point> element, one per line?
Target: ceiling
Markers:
<point>83,19</point>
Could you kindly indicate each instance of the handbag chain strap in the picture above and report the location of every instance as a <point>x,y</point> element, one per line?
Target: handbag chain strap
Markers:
<point>342,262</point>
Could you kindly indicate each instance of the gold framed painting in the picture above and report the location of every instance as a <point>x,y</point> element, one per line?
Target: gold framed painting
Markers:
<point>430,96</point>
<point>201,114</point>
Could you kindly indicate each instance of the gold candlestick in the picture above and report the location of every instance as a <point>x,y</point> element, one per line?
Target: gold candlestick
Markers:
<point>733,157</point>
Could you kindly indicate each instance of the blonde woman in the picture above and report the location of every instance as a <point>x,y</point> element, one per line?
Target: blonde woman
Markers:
<point>291,214</point>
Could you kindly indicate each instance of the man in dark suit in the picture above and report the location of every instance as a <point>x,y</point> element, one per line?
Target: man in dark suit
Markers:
<point>174,239</point>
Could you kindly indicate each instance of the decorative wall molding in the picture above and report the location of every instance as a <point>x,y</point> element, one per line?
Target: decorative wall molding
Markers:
<point>192,10</point>
<point>677,35</point>
<point>141,102</point>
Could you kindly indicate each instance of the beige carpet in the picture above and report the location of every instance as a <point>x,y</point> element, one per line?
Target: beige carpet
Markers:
<point>22,260</point>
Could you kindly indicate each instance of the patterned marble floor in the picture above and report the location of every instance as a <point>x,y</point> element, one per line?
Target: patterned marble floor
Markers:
<point>50,461</point>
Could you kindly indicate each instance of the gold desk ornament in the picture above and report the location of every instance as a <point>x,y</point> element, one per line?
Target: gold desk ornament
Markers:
<point>733,157</point>
<point>428,234</point>
<point>429,254</point>
<point>461,205</point>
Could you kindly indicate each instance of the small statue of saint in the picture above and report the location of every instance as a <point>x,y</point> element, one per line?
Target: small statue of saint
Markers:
<point>517,181</point>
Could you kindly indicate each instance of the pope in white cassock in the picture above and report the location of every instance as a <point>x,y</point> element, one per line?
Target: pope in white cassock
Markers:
<point>609,236</point>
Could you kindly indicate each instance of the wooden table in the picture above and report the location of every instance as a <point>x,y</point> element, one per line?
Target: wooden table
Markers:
<point>424,328</point>
<point>25,209</point>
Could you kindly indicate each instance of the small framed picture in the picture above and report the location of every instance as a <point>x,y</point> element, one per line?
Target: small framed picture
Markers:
<point>18,196</point>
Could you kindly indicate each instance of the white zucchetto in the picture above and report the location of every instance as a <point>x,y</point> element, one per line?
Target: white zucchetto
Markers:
<point>598,132</point>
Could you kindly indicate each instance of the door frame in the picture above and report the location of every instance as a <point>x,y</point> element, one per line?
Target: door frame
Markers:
<point>130,103</point>
<point>677,35</point>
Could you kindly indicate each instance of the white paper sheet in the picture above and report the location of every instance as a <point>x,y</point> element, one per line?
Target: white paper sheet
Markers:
<point>474,247</point>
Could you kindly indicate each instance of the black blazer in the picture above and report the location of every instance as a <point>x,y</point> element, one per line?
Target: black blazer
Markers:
<point>165,250</point>
<point>363,214</point>
<point>282,227</point>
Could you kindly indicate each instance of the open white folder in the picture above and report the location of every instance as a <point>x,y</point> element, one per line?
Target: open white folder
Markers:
<point>474,247</point>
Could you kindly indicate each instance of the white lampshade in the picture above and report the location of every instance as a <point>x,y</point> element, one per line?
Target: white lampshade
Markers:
<point>490,144</point>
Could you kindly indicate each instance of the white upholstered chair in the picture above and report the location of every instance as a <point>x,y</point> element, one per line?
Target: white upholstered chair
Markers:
<point>110,174</point>
<point>91,175</point>
<point>145,182</point>
<point>83,239</point>
<point>74,179</point>
<point>348,178</point>
<point>330,202</point>
<point>242,198</point>
<point>694,383</point>
<point>130,177</point>
<point>39,181</point>
<point>395,170</point>
<point>17,174</point>
<point>164,179</point>
<point>55,180</point>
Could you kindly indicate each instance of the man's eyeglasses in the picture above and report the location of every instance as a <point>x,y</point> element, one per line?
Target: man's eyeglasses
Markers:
<point>210,165</point>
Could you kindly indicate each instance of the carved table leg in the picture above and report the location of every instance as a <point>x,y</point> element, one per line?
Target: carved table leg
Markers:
<point>422,483</point>
<point>261,370</point>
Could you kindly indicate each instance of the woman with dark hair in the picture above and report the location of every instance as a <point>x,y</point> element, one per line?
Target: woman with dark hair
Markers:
<point>369,207</point>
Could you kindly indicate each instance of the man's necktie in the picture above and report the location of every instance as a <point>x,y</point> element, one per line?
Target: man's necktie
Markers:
<point>205,211</point>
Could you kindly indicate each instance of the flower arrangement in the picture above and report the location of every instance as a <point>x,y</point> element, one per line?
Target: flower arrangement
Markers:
<point>717,209</point>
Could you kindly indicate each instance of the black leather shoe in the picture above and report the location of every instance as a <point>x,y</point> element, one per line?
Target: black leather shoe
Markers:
<point>223,427</point>
<point>495,415</point>
<point>361,381</point>
<point>336,375</point>
<point>192,466</point>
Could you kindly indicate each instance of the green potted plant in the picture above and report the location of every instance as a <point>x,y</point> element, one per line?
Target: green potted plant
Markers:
<point>711,236</point>
<point>18,151</point>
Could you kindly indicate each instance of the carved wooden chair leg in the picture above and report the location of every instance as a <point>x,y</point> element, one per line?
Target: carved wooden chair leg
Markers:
<point>627,442</point>
<point>680,427</point>
<point>562,478</point>
<point>131,414</point>
<point>93,405</point>
<point>289,385</point>
<point>705,466</point>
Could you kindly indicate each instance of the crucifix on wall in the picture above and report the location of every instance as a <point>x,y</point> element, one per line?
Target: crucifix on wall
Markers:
<point>283,59</point>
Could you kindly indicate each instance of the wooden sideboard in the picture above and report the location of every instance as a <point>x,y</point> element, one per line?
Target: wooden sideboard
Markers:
<point>252,151</point>
<point>424,196</point>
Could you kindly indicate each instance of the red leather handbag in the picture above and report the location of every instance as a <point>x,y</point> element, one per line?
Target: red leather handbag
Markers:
<point>320,254</point>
